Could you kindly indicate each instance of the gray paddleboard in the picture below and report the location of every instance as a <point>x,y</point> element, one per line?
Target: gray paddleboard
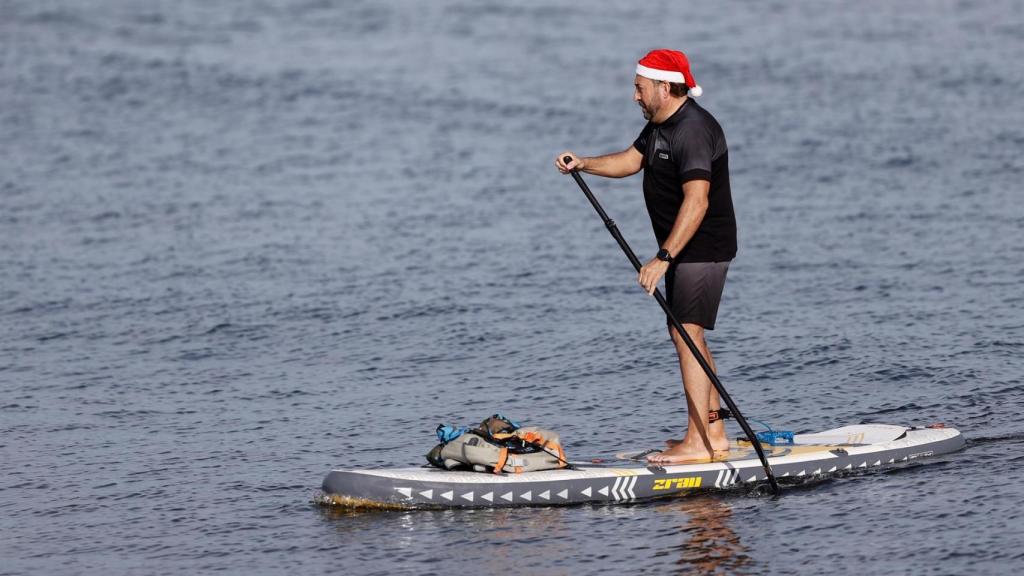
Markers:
<point>851,448</point>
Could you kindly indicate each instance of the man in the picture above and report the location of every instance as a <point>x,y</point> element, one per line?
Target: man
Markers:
<point>683,154</point>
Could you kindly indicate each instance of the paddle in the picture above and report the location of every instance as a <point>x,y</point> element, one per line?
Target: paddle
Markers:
<point>614,230</point>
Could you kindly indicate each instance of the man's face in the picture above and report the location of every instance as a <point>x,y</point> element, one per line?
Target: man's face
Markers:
<point>647,95</point>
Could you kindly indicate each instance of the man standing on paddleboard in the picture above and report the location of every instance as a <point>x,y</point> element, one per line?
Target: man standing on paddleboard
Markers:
<point>683,154</point>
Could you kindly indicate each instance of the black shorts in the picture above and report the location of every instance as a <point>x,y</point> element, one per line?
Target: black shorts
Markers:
<point>694,290</point>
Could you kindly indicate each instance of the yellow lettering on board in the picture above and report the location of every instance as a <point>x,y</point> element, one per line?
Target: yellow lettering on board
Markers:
<point>677,483</point>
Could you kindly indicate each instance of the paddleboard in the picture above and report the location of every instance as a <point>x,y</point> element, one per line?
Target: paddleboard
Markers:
<point>832,452</point>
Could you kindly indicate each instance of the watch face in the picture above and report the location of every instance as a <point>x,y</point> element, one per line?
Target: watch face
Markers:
<point>663,255</point>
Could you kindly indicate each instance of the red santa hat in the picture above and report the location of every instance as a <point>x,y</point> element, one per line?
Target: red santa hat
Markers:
<point>668,66</point>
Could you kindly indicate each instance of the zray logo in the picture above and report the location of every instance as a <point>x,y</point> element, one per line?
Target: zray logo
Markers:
<point>677,483</point>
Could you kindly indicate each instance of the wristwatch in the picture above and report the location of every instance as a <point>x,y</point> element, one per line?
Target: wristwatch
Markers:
<point>664,256</point>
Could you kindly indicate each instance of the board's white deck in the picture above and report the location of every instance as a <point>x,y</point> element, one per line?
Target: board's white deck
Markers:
<point>816,460</point>
<point>857,434</point>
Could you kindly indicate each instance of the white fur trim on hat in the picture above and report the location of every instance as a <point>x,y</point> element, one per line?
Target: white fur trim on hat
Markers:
<point>663,75</point>
<point>695,92</point>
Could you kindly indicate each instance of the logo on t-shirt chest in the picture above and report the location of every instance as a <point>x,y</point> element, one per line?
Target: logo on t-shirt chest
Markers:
<point>662,164</point>
<point>662,149</point>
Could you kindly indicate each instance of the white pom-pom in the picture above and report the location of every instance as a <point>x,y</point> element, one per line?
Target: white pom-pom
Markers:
<point>695,92</point>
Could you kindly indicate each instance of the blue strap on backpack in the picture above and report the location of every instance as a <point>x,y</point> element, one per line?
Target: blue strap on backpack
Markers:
<point>446,432</point>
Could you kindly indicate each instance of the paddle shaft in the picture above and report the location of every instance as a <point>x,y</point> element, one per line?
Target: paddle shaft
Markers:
<point>614,230</point>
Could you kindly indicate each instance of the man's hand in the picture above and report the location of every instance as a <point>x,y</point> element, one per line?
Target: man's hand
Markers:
<point>574,164</point>
<point>651,273</point>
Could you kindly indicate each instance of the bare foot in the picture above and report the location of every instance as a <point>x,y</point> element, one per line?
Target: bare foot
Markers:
<point>717,444</point>
<point>681,453</point>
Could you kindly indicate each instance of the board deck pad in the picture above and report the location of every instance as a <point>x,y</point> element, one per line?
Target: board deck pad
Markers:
<point>737,451</point>
<point>859,435</point>
<point>838,451</point>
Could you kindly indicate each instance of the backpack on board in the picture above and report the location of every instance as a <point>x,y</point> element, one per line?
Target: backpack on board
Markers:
<point>497,445</point>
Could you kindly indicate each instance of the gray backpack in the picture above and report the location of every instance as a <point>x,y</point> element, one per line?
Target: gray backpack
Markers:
<point>498,445</point>
<point>474,451</point>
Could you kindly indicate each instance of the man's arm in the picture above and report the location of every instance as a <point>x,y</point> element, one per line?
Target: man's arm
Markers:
<point>688,219</point>
<point>617,165</point>
<point>691,214</point>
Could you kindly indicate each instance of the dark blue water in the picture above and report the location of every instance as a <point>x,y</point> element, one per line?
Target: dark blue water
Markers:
<point>242,244</point>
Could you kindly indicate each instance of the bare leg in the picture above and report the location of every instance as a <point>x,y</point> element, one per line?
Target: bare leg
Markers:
<point>719,441</point>
<point>697,444</point>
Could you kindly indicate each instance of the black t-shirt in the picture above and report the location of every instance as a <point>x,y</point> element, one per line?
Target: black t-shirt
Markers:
<point>689,145</point>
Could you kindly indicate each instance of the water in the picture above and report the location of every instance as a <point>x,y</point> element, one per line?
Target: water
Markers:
<point>243,244</point>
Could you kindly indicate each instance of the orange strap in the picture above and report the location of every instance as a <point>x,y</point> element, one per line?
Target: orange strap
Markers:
<point>531,437</point>
<point>562,461</point>
<point>502,457</point>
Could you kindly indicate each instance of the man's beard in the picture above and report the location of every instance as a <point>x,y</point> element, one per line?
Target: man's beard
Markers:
<point>646,112</point>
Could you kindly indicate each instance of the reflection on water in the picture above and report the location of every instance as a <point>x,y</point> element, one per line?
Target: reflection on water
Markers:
<point>710,545</point>
<point>509,538</point>
<point>695,534</point>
